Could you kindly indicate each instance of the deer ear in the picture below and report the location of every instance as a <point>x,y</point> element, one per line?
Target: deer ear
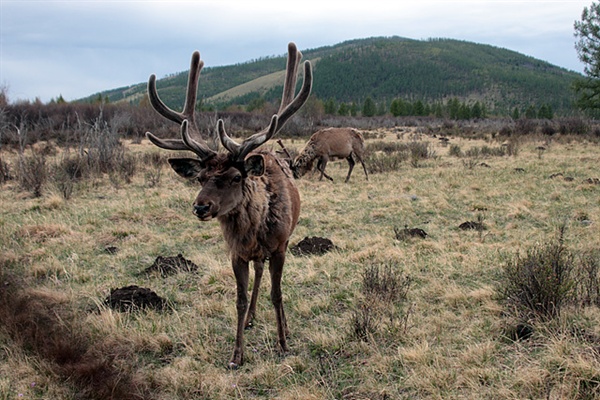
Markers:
<point>186,167</point>
<point>254,165</point>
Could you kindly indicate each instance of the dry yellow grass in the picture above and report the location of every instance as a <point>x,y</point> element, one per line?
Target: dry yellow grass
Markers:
<point>445,341</point>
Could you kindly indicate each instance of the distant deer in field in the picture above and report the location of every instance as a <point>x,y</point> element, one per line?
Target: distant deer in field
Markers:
<point>330,144</point>
<point>250,192</point>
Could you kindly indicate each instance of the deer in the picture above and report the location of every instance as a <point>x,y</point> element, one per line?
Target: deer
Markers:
<point>330,144</point>
<point>248,190</point>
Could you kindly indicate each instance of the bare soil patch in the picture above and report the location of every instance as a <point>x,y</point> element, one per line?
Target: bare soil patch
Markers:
<point>133,297</point>
<point>472,225</point>
<point>406,232</point>
<point>312,246</point>
<point>166,266</point>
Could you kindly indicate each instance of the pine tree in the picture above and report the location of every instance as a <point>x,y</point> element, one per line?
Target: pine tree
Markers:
<point>369,107</point>
<point>588,49</point>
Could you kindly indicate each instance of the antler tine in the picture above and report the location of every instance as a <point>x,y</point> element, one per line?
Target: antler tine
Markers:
<point>196,66</point>
<point>231,145</point>
<point>190,98</point>
<point>291,75</point>
<point>200,148</point>
<point>288,107</point>
<point>168,144</point>
<point>158,104</point>
<point>185,118</point>
<point>299,100</point>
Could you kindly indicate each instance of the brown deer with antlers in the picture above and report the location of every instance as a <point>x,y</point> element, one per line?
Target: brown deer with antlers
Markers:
<point>249,191</point>
<point>330,144</point>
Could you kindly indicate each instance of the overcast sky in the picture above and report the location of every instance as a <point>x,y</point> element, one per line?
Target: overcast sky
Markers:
<point>76,48</point>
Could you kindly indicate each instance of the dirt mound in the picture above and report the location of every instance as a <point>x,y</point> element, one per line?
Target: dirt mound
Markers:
<point>312,246</point>
<point>403,234</point>
<point>593,181</point>
<point>171,265</point>
<point>130,298</point>
<point>472,225</point>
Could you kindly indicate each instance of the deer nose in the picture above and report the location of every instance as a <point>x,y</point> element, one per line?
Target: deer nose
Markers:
<point>201,210</point>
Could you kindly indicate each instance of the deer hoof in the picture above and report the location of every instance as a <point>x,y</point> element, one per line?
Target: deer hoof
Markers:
<point>236,361</point>
<point>232,366</point>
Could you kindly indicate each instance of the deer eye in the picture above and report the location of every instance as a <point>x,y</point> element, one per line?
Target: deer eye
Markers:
<point>237,179</point>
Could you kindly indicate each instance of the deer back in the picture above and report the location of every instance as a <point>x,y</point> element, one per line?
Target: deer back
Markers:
<point>336,142</point>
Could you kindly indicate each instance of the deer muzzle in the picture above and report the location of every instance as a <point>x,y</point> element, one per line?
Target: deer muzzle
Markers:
<point>203,211</point>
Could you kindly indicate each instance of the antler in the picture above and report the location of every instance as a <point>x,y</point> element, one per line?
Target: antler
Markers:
<point>287,108</point>
<point>185,118</point>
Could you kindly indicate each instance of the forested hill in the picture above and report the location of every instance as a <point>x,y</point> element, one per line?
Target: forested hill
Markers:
<point>385,69</point>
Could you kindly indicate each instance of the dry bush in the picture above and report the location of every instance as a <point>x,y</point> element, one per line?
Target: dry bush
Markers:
<point>485,151</point>
<point>32,173</point>
<point>537,285</point>
<point>153,163</point>
<point>378,163</point>
<point>455,151</point>
<point>5,173</point>
<point>587,278</point>
<point>384,288</point>
<point>388,156</point>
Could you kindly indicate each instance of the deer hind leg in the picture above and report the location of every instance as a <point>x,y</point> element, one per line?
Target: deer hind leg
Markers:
<point>258,272</point>
<point>363,165</point>
<point>240,269</point>
<point>276,269</point>
<point>321,166</point>
<point>350,166</point>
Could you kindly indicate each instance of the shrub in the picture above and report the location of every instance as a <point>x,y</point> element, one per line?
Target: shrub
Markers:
<point>33,172</point>
<point>154,164</point>
<point>421,150</point>
<point>382,163</point>
<point>383,289</point>
<point>4,171</point>
<point>455,151</point>
<point>538,284</point>
<point>588,278</point>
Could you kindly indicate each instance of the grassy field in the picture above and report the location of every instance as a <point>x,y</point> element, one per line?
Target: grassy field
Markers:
<point>382,316</point>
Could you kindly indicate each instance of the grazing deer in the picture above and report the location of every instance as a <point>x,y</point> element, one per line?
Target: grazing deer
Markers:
<point>330,144</point>
<point>249,191</point>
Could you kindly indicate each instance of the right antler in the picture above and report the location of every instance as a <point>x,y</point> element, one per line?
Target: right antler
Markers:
<point>287,108</point>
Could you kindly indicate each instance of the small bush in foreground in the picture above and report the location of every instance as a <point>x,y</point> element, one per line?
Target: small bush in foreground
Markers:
<point>550,276</point>
<point>383,288</point>
<point>538,284</point>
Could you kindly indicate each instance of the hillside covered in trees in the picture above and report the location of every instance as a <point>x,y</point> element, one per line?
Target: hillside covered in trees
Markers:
<point>433,73</point>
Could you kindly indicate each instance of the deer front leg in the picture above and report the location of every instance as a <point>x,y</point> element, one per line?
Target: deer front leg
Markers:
<point>321,166</point>
<point>240,269</point>
<point>258,272</point>
<point>276,269</point>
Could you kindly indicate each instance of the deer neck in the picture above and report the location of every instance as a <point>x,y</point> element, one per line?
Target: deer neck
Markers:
<point>242,226</point>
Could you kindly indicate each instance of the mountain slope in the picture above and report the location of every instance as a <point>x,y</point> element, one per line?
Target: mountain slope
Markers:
<point>385,69</point>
